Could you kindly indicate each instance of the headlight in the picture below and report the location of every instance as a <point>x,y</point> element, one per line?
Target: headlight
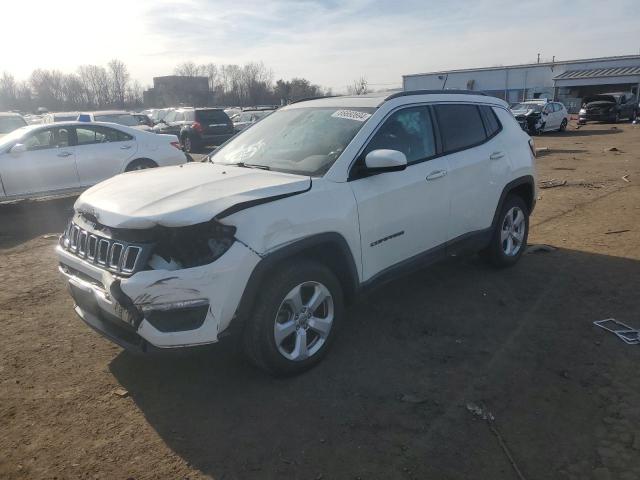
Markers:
<point>192,246</point>
<point>583,111</point>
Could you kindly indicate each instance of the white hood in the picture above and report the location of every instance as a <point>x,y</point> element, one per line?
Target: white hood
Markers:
<point>182,195</point>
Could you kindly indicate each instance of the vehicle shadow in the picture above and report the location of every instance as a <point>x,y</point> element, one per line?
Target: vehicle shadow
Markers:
<point>582,132</point>
<point>20,222</point>
<point>392,392</point>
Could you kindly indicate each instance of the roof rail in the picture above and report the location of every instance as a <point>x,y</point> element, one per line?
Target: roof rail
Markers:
<point>313,98</point>
<point>432,92</point>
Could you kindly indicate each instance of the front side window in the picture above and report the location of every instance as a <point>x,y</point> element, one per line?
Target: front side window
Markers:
<point>305,141</point>
<point>409,131</point>
<point>460,126</point>
<point>47,138</point>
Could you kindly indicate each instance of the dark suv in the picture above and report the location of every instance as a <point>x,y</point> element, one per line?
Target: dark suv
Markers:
<point>197,127</point>
<point>609,107</point>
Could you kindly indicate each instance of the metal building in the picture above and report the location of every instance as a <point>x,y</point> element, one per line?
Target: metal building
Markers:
<point>567,81</point>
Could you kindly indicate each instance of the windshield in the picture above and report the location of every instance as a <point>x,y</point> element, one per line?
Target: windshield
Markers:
<point>119,118</point>
<point>536,107</point>
<point>304,141</point>
<point>9,124</point>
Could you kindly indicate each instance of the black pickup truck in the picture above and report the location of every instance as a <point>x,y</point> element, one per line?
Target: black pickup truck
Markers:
<point>609,107</point>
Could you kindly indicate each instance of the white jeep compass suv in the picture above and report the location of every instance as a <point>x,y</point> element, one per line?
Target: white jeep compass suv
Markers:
<point>291,219</point>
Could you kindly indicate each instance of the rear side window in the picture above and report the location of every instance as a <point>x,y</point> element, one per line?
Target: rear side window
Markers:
<point>491,122</point>
<point>409,131</point>
<point>460,126</point>
<point>212,116</point>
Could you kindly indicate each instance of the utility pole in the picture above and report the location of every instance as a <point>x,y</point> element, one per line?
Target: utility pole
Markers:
<point>538,58</point>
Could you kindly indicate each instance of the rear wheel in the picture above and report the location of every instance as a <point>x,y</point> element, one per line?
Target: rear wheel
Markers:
<point>510,234</point>
<point>295,318</point>
<point>563,125</point>
<point>140,164</point>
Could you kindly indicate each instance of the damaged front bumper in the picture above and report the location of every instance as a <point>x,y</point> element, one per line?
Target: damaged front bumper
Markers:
<point>156,309</point>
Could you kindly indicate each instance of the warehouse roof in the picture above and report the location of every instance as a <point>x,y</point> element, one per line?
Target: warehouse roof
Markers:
<point>598,73</point>
<point>525,65</point>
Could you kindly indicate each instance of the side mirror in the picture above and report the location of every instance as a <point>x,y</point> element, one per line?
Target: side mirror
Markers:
<point>386,160</point>
<point>18,148</point>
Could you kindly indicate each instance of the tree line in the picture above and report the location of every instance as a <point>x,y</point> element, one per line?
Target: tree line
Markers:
<point>94,87</point>
<point>249,84</point>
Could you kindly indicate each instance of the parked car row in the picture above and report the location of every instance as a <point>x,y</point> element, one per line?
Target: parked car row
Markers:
<point>542,115</point>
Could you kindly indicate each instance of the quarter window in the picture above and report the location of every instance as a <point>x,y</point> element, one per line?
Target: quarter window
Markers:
<point>491,122</point>
<point>409,131</point>
<point>460,126</point>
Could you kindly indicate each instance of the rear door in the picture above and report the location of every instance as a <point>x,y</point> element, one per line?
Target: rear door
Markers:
<point>101,152</point>
<point>477,163</point>
<point>403,214</point>
<point>48,165</point>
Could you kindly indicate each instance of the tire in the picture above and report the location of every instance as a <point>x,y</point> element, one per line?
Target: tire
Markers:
<point>500,252</point>
<point>280,307</point>
<point>540,130</point>
<point>189,145</point>
<point>563,125</point>
<point>140,164</point>
<point>634,116</point>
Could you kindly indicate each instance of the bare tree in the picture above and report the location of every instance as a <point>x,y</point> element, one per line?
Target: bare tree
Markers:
<point>358,87</point>
<point>8,91</point>
<point>118,80</point>
<point>190,69</point>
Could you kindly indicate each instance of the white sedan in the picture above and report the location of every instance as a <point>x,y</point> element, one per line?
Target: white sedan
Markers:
<point>65,158</point>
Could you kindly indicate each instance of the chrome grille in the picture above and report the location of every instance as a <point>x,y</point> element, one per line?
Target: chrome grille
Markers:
<point>114,255</point>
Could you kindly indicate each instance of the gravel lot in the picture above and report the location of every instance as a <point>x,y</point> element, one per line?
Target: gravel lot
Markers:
<point>390,401</point>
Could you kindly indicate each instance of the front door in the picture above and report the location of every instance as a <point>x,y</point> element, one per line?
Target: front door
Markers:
<point>101,152</point>
<point>47,166</point>
<point>402,214</point>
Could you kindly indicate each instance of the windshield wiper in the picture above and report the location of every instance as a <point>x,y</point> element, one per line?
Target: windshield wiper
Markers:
<point>251,165</point>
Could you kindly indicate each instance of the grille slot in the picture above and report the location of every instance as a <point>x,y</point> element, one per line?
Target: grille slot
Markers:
<point>107,253</point>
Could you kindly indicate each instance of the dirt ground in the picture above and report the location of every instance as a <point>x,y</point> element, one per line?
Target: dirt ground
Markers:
<point>390,400</point>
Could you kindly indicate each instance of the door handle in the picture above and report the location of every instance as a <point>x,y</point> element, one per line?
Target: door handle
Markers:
<point>496,155</point>
<point>125,147</point>
<point>64,154</point>
<point>436,174</point>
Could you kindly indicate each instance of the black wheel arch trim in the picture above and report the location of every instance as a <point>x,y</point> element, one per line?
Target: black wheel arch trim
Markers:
<point>270,261</point>
<point>524,180</point>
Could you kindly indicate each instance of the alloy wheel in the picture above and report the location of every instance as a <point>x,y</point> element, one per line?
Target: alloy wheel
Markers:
<point>303,321</point>
<point>512,232</point>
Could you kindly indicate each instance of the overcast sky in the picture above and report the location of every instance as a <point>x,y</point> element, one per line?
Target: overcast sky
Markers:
<point>330,42</point>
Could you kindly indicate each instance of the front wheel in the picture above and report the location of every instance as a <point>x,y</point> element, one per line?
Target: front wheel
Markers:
<point>510,234</point>
<point>295,318</point>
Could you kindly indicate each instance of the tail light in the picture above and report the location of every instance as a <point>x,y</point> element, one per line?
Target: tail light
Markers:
<point>532,146</point>
<point>197,126</point>
<point>176,144</point>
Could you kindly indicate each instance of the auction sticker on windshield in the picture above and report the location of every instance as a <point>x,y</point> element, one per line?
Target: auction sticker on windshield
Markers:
<point>351,115</point>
